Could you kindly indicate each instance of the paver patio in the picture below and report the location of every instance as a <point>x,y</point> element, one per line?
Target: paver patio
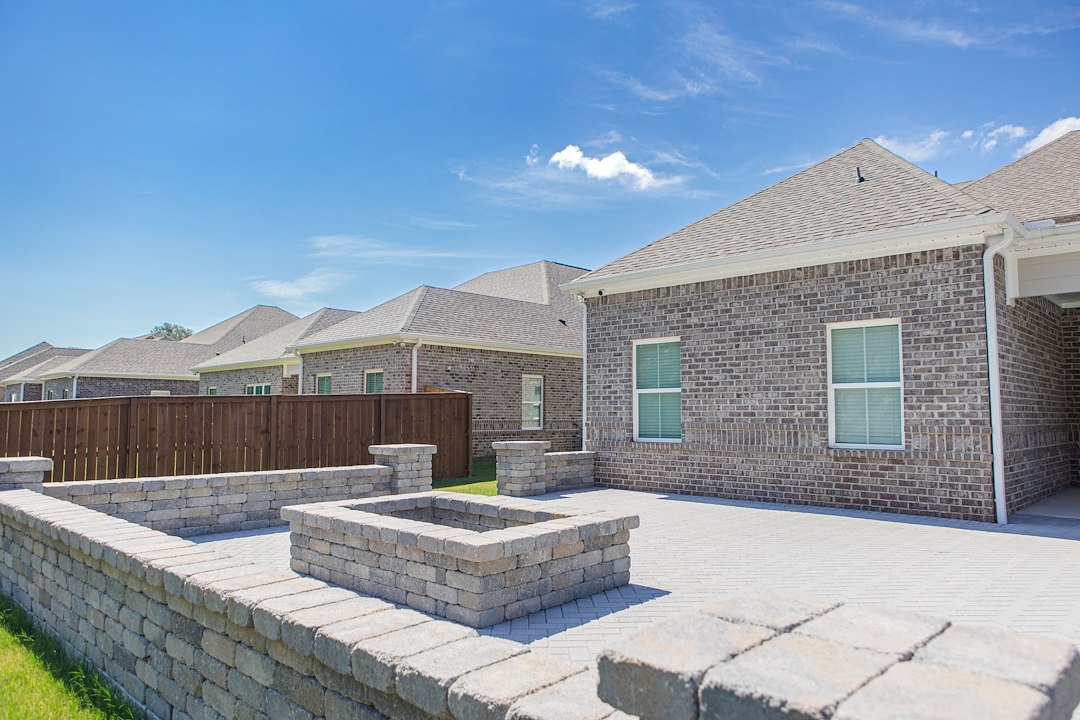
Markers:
<point>689,551</point>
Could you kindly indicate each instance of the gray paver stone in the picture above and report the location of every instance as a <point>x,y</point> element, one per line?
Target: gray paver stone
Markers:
<point>487,693</point>
<point>571,699</point>
<point>875,628</point>
<point>788,676</point>
<point>298,628</point>
<point>375,660</point>
<point>1045,663</point>
<point>655,674</point>
<point>925,691</point>
<point>425,679</point>
<point>779,611</point>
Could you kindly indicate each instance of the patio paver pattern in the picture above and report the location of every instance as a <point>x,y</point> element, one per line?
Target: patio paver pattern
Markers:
<point>690,551</point>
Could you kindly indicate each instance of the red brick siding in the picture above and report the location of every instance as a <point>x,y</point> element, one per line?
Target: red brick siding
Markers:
<point>755,393</point>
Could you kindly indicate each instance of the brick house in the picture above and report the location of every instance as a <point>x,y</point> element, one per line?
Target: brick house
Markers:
<point>153,366</point>
<point>19,373</point>
<point>859,335</point>
<point>264,366</point>
<point>509,337</point>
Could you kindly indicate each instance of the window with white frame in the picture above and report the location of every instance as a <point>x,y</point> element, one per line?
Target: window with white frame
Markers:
<point>866,395</point>
<point>323,384</point>
<point>255,389</point>
<point>532,402</point>
<point>373,380</point>
<point>658,390</point>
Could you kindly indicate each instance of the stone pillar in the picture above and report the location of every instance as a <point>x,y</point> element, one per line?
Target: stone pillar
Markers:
<point>23,473</point>
<point>411,465</point>
<point>520,467</point>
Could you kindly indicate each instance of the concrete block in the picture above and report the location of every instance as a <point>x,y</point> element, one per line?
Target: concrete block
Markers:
<point>574,698</point>
<point>298,628</point>
<point>1044,663</point>
<point>778,611</point>
<point>425,679</point>
<point>790,675</point>
<point>874,627</point>
<point>267,616</point>
<point>656,672</point>
<point>375,660</point>
<point>926,691</point>
<point>488,693</point>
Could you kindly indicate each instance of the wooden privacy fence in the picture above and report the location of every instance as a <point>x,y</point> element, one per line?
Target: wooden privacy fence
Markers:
<point>122,437</point>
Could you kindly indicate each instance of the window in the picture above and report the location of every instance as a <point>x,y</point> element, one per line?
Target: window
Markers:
<point>211,390</point>
<point>532,402</point>
<point>865,390</point>
<point>323,384</point>
<point>373,381</point>
<point>257,389</point>
<point>658,390</point>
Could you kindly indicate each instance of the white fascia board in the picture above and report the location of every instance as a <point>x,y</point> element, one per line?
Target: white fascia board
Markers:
<point>247,365</point>
<point>952,233</point>
<point>444,340</point>
<point>1051,241</point>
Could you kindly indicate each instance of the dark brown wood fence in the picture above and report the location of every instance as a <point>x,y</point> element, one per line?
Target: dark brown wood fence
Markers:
<point>108,438</point>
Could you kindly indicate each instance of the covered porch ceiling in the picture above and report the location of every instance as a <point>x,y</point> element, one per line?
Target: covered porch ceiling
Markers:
<point>1046,265</point>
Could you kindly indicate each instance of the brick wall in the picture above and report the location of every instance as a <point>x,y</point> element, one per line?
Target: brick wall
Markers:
<point>494,379</point>
<point>57,387</point>
<point>235,382</point>
<point>1039,447</point>
<point>755,393</point>
<point>31,391</point>
<point>346,367</point>
<point>1070,335</point>
<point>92,387</point>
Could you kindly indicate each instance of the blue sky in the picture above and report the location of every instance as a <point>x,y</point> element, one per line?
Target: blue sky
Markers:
<point>181,162</point>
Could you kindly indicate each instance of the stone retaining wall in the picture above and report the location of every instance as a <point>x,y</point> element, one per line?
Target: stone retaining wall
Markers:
<point>524,468</point>
<point>765,655</point>
<point>193,505</point>
<point>190,633</point>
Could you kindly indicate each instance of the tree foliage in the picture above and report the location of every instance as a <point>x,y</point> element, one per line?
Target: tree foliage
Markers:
<point>172,331</point>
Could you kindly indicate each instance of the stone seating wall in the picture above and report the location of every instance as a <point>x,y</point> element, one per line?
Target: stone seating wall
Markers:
<point>525,468</point>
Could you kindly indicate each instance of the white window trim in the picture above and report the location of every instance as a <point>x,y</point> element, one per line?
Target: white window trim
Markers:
<point>268,386</point>
<point>857,386</point>
<point>322,375</point>
<point>530,402</point>
<point>372,371</point>
<point>633,384</point>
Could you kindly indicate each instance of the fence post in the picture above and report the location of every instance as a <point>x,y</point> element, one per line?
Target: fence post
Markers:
<point>273,462</point>
<point>382,419</point>
<point>468,432</point>
<point>132,437</point>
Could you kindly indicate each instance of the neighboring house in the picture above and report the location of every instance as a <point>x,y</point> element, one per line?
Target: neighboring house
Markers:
<point>18,373</point>
<point>142,366</point>
<point>509,337</point>
<point>264,366</point>
<point>828,340</point>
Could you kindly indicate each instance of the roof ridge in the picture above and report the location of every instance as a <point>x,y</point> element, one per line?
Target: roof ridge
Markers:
<point>931,181</point>
<point>410,314</point>
<point>545,282</point>
<point>1022,158</point>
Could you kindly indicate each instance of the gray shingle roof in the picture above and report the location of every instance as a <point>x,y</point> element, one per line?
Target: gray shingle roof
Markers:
<point>1042,185</point>
<point>34,356</point>
<point>479,314</point>
<point>246,326</point>
<point>33,373</point>
<point>127,357</point>
<point>271,347</point>
<point>823,202</point>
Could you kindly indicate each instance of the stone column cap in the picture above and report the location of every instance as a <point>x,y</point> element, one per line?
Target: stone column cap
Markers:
<point>25,464</point>
<point>402,449</point>
<point>521,445</point>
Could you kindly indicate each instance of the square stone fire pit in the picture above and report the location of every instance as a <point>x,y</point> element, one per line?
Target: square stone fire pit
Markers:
<point>474,560</point>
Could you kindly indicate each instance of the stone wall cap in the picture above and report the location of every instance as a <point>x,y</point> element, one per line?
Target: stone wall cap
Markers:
<point>31,463</point>
<point>521,445</point>
<point>402,449</point>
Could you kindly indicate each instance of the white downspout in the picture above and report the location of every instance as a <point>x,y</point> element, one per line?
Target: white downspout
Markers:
<point>584,370</point>
<point>300,382</point>
<point>997,440</point>
<point>75,386</point>
<point>22,392</point>
<point>416,364</point>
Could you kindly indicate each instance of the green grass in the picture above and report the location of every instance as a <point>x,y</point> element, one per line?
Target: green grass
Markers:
<point>40,681</point>
<point>481,482</point>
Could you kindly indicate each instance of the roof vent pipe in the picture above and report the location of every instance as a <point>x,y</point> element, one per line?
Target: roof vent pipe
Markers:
<point>858,175</point>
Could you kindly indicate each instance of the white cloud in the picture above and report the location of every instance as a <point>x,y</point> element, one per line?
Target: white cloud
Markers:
<point>918,150</point>
<point>904,28</point>
<point>609,10</point>
<point>967,134</point>
<point>375,251</point>
<point>301,289</point>
<point>1050,133</point>
<point>610,167</point>
<point>534,155</point>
